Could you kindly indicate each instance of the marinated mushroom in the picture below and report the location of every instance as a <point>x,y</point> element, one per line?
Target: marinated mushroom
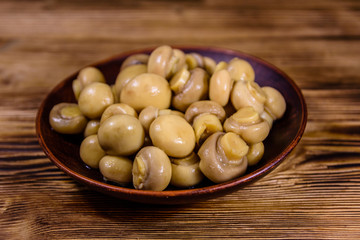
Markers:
<point>246,94</point>
<point>76,87</point>
<point>195,89</point>
<point>151,169</point>
<point>185,171</point>
<point>275,103</point>
<point>94,99</point>
<point>194,60</point>
<point>205,125</point>
<point>247,123</point>
<point>176,63</point>
<point>146,89</point>
<point>241,70</point>
<point>210,65</point>
<point>91,151</point>
<point>91,127</point>
<point>166,61</point>
<point>220,66</point>
<point>85,77</point>
<point>220,86</point>
<point>173,134</point>
<point>121,134</point>
<point>117,108</point>
<point>204,106</point>
<point>115,94</point>
<point>89,75</point>
<point>170,111</point>
<point>135,59</point>
<point>116,169</point>
<point>67,118</point>
<point>148,115</point>
<point>126,75</point>
<point>256,152</point>
<point>179,80</point>
<point>153,86</point>
<point>223,157</point>
<point>267,117</point>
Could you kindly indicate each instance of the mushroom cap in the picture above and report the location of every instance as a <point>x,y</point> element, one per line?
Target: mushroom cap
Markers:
<point>117,108</point>
<point>89,75</point>
<point>67,118</point>
<point>241,70</point>
<point>121,134</point>
<point>246,94</point>
<point>275,103</point>
<point>94,99</point>
<point>220,86</point>
<point>127,74</point>
<point>136,59</point>
<point>91,151</point>
<point>116,169</point>
<point>214,162</point>
<point>204,106</point>
<point>248,124</point>
<point>173,134</point>
<point>195,89</point>
<point>159,59</point>
<point>146,89</point>
<point>186,171</point>
<point>151,169</point>
<point>91,127</point>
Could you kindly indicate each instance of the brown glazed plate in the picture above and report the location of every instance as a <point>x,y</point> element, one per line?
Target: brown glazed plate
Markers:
<point>63,150</point>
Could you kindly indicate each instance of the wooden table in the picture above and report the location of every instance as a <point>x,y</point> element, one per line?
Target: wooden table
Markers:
<point>314,194</point>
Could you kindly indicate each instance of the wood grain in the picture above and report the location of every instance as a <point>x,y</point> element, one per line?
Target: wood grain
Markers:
<point>314,194</point>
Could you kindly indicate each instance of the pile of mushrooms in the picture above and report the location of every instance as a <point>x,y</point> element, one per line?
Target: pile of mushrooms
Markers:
<point>171,118</point>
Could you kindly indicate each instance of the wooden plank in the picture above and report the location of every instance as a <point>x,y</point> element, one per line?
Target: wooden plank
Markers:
<point>313,194</point>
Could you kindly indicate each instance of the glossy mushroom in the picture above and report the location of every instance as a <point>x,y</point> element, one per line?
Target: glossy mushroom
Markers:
<point>166,61</point>
<point>117,108</point>
<point>121,134</point>
<point>195,89</point>
<point>146,89</point>
<point>246,94</point>
<point>91,152</point>
<point>179,80</point>
<point>204,106</point>
<point>247,123</point>
<point>220,86</point>
<point>185,171</point>
<point>241,70</point>
<point>205,125</point>
<point>275,103</point>
<point>91,127</point>
<point>126,75</point>
<point>151,169</point>
<point>223,157</point>
<point>150,113</point>
<point>94,99</point>
<point>194,60</point>
<point>67,118</point>
<point>255,154</point>
<point>85,77</point>
<point>116,169</point>
<point>135,59</point>
<point>173,134</point>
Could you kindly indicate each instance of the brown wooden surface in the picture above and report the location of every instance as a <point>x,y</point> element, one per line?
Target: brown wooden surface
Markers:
<point>314,194</point>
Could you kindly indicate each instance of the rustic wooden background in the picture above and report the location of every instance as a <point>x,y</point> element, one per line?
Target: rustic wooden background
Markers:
<point>314,194</point>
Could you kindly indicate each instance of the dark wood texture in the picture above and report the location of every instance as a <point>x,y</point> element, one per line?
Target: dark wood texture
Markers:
<point>313,194</point>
